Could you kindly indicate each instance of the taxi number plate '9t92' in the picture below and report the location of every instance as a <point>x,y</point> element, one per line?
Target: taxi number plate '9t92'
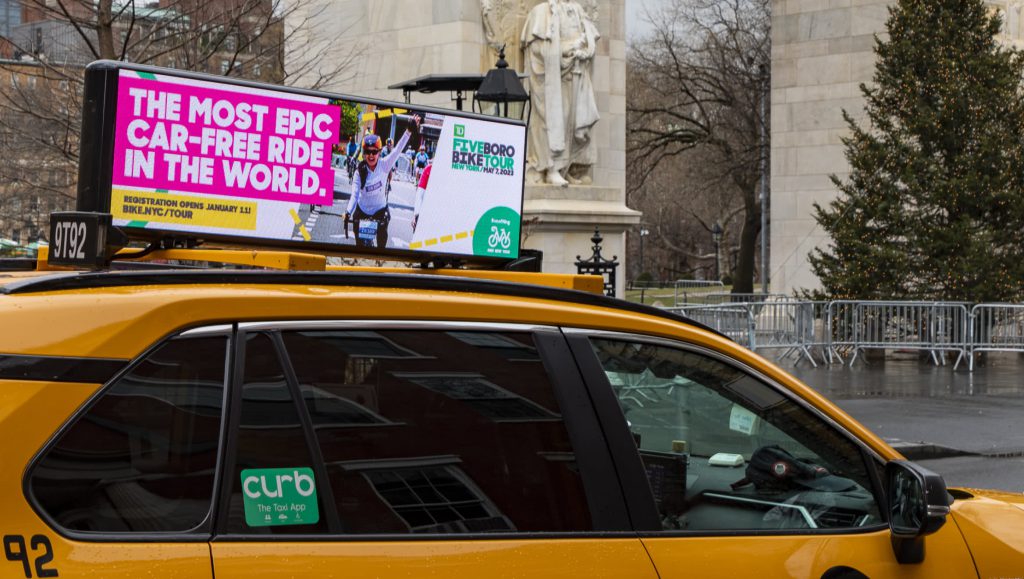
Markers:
<point>78,238</point>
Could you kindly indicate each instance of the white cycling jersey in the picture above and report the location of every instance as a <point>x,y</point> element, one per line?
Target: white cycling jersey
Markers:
<point>371,196</point>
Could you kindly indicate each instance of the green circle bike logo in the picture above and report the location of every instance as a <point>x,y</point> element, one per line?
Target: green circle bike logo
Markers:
<point>497,233</point>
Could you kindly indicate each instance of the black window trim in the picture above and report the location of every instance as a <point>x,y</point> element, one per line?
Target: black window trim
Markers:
<point>203,531</point>
<point>627,460</point>
<point>312,442</point>
<point>74,369</point>
<point>230,451</point>
<point>609,515</point>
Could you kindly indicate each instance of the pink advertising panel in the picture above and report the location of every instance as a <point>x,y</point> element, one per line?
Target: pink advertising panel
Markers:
<point>201,138</point>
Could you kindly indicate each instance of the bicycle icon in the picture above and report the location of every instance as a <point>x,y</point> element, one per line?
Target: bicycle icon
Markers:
<point>499,237</point>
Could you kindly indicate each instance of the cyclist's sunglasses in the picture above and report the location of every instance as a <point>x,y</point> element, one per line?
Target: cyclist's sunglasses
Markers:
<point>371,151</point>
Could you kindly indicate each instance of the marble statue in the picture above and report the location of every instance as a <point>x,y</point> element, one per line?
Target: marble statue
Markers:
<point>559,40</point>
<point>503,21</point>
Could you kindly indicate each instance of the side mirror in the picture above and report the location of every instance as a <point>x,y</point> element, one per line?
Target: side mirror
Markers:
<point>917,503</point>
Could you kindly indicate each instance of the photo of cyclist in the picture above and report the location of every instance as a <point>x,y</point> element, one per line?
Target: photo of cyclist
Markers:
<point>351,157</point>
<point>368,206</point>
<point>422,158</point>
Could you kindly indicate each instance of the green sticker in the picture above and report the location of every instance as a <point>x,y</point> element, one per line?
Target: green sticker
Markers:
<point>497,233</point>
<point>279,496</point>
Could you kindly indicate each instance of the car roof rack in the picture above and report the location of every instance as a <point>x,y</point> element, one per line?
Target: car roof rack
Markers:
<point>164,259</point>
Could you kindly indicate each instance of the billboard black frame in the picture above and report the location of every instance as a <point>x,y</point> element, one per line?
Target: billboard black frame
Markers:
<point>96,165</point>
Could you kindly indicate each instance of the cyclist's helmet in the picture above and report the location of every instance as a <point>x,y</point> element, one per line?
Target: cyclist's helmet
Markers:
<point>371,141</point>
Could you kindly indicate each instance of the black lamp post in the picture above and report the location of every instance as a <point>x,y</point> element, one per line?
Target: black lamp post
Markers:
<point>644,232</point>
<point>716,236</point>
<point>501,86</point>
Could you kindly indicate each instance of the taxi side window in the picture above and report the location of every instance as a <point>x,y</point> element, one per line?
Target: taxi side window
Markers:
<point>724,451</point>
<point>427,431</point>
<point>271,445</point>
<point>142,458</point>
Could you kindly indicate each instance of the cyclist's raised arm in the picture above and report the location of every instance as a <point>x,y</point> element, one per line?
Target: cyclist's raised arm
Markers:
<point>392,158</point>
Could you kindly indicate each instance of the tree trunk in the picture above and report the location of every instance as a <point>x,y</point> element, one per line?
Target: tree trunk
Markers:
<point>105,29</point>
<point>743,277</point>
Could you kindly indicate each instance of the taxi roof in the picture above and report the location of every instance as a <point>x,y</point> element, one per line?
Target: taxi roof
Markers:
<point>8,277</point>
<point>282,268</point>
<point>516,284</point>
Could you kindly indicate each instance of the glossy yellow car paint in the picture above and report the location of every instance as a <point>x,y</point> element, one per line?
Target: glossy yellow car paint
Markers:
<point>556,558</point>
<point>122,322</point>
<point>993,524</point>
<point>807,556</point>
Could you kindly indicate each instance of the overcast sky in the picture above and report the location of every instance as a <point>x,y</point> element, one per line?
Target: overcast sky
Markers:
<point>635,22</point>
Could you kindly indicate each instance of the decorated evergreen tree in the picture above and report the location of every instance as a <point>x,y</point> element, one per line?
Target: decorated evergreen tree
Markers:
<point>933,207</point>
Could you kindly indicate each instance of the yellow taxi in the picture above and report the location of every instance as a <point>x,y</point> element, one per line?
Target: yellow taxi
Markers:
<point>276,416</point>
<point>244,423</point>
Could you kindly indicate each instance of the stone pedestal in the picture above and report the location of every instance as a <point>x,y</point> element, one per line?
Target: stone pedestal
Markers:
<point>560,221</point>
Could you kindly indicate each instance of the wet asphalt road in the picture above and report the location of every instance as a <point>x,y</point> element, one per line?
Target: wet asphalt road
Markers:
<point>968,427</point>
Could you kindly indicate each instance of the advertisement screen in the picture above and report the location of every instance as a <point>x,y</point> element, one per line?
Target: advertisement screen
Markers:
<point>223,161</point>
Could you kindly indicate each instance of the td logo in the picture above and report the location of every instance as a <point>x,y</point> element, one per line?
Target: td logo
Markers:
<point>460,131</point>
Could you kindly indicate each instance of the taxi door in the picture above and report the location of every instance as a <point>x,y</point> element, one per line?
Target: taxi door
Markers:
<point>118,480</point>
<point>729,475</point>
<point>416,450</point>
<point>31,547</point>
<point>846,556</point>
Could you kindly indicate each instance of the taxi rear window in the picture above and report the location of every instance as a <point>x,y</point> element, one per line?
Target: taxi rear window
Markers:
<point>142,457</point>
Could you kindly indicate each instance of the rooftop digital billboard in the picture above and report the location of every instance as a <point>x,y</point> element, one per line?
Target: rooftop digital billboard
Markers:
<point>168,153</point>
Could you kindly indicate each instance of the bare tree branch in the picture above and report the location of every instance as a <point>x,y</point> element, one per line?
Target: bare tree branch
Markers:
<point>695,95</point>
<point>41,89</point>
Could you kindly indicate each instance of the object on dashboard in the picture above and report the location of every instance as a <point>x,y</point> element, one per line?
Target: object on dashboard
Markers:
<point>774,468</point>
<point>726,459</point>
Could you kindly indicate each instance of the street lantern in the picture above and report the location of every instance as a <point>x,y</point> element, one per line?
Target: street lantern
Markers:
<point>716,236</point>
<point>500,88</point>
<point>644,232</point>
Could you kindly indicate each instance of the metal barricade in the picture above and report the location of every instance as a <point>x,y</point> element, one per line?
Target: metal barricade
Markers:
<point>786,325</point>
<point>844,329</point>
<point>933,327</point>
<point>818,336</point>
<point>996,328</point>
<point>752,298</point>
<point>735,321</point>
<point>684,287</point>
<point>839,331</point>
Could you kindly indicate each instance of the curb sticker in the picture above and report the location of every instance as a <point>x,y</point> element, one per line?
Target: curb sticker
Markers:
<point>279,496</point>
